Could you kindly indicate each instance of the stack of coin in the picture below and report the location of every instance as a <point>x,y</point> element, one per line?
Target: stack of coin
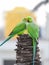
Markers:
<point>24,51</point>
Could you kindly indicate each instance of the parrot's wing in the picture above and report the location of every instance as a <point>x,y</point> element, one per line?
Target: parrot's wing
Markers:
<point>33,31</point>
<point>20,33</point>
<point>18,29</point>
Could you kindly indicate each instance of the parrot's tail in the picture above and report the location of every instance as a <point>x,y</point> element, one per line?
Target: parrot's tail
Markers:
<point>6,40</point>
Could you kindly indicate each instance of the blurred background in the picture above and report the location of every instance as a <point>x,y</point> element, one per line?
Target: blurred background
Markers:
<point>11,12</point>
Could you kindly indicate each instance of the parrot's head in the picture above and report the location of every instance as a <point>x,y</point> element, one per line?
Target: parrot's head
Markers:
<point>28,19</point>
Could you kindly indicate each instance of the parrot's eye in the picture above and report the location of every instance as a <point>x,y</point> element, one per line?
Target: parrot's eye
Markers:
<point>27,20</point>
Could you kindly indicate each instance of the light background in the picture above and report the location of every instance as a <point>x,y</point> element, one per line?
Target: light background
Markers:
<point>7,5</point>
<point>7,50</point>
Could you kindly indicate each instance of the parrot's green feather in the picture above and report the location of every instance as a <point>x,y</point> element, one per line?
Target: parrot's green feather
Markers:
<point>19,28</point>
<point>34,50</point>
<point>33,31</point>
<point>20,33</point>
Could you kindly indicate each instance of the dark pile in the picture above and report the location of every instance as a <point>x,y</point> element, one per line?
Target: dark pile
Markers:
<point>24,51</point>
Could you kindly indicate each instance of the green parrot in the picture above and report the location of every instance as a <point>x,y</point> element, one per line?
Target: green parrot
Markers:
<point>33,31</point>
<point>19,29</point>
